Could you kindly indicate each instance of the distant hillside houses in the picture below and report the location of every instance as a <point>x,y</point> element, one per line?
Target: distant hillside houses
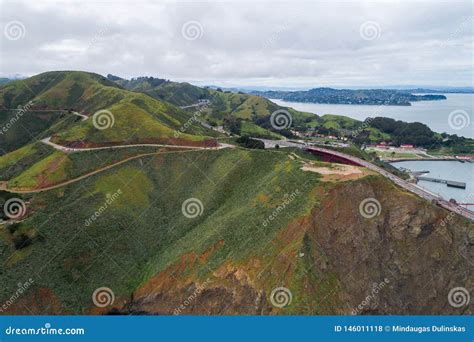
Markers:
<point>389,145</point>
<point>406,146</point>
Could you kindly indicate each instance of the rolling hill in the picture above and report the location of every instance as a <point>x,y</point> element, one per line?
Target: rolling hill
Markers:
<point>152,254</point>
<point>249,114</point>
<point>227,227</point>
<point>52,99</point>
<point>225,108</point>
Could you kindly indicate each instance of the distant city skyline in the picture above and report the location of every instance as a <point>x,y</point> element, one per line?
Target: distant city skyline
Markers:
<point>275,45</point>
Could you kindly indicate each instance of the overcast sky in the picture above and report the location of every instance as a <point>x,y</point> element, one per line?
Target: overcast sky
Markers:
<point>245,43</point>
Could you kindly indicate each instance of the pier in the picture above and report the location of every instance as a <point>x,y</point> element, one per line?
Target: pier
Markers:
<point>454,184</point>
<point>423,193</point>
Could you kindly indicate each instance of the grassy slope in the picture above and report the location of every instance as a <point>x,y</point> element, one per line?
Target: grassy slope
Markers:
<point>245,107</point>
<point>16,162</point>
<point>57,167</point>
<point>31,126</point>
<point>143,232</point>
<point>138,117</point>
<point>179,94</point>
<point>250,129</point>
<point>223,104</point>
<point>339,121</point>
<point>255,182</point>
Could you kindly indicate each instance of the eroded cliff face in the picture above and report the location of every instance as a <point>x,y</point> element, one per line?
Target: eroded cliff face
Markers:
<point>403,260</point>
<point>417,251</point>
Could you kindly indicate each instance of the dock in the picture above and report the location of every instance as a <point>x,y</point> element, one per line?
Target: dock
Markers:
<point>454,184</point>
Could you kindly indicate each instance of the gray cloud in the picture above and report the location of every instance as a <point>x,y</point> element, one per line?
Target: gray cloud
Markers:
<point>295,44</point>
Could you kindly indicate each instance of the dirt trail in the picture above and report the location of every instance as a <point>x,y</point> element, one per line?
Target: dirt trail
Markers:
<point>28,191</point>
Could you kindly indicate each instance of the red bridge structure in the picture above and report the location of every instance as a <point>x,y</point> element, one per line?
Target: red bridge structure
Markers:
<point>339,157</point>
<point>348,159</point>
<point>334,157</point>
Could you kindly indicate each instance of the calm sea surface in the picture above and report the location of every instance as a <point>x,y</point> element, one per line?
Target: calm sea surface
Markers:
<point>435,114</point>
<point>450,170</point>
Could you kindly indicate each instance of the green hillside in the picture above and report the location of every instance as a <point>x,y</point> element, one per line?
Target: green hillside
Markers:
<point>179,94</point>
<point>54,96</point>
<point>57,167</point>
<point>21,128</point>
<point>60,90</point>
<point>245,114</point>
<point>161,233</point>
<point>224,106</point>
<point>14,163</point>
<point>150,254</point>
<point>265,218</point>
<point>241,113</point>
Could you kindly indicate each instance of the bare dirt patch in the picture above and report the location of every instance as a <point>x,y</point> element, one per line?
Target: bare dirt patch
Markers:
<point>337,172</point>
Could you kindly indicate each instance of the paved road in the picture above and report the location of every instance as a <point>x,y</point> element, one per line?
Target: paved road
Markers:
<point>199,104</point>
<point>3,184</point>
<point>65,149</point>
<point>397,180</point>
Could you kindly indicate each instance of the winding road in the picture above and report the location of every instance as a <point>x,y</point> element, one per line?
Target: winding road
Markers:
<point>66,149</point>
<point>198,104</point>
<point>417,190</point>
<point>421,192</point>
<point>3,185</point>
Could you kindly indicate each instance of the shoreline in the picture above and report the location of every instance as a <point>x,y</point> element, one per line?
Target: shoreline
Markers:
<point>422,159</point>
